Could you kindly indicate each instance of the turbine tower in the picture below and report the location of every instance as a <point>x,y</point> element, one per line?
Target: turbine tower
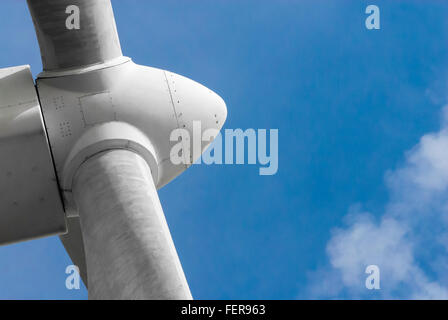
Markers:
<point>85,147</point>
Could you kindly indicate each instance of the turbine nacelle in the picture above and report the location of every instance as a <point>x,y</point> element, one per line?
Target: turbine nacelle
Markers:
<point>126,106</point>
<point>123,106</point>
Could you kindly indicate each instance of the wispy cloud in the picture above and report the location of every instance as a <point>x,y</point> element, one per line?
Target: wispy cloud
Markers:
<point>409,241</point>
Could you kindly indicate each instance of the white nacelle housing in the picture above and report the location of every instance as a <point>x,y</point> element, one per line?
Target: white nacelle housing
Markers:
<point>126,106</point>
<point>30,202</point>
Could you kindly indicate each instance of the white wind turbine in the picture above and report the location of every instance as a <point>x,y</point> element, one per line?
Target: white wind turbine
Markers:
<point>84,149</point>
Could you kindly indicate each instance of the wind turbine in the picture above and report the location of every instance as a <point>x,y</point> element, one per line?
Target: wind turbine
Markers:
<point>85,147</point>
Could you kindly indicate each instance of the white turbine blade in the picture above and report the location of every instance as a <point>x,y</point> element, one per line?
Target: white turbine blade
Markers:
<point>129,250</point>
<point>75,33</point>
<point>74,246</point>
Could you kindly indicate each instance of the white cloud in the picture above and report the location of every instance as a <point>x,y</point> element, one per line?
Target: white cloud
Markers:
<point>409,242</point>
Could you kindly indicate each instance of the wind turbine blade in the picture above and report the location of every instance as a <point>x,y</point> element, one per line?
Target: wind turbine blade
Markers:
<point>75,33</point>
<point>74,245</point>
<point>129,250</point>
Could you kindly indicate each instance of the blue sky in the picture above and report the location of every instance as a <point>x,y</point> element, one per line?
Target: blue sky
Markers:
<point>356,183</point>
